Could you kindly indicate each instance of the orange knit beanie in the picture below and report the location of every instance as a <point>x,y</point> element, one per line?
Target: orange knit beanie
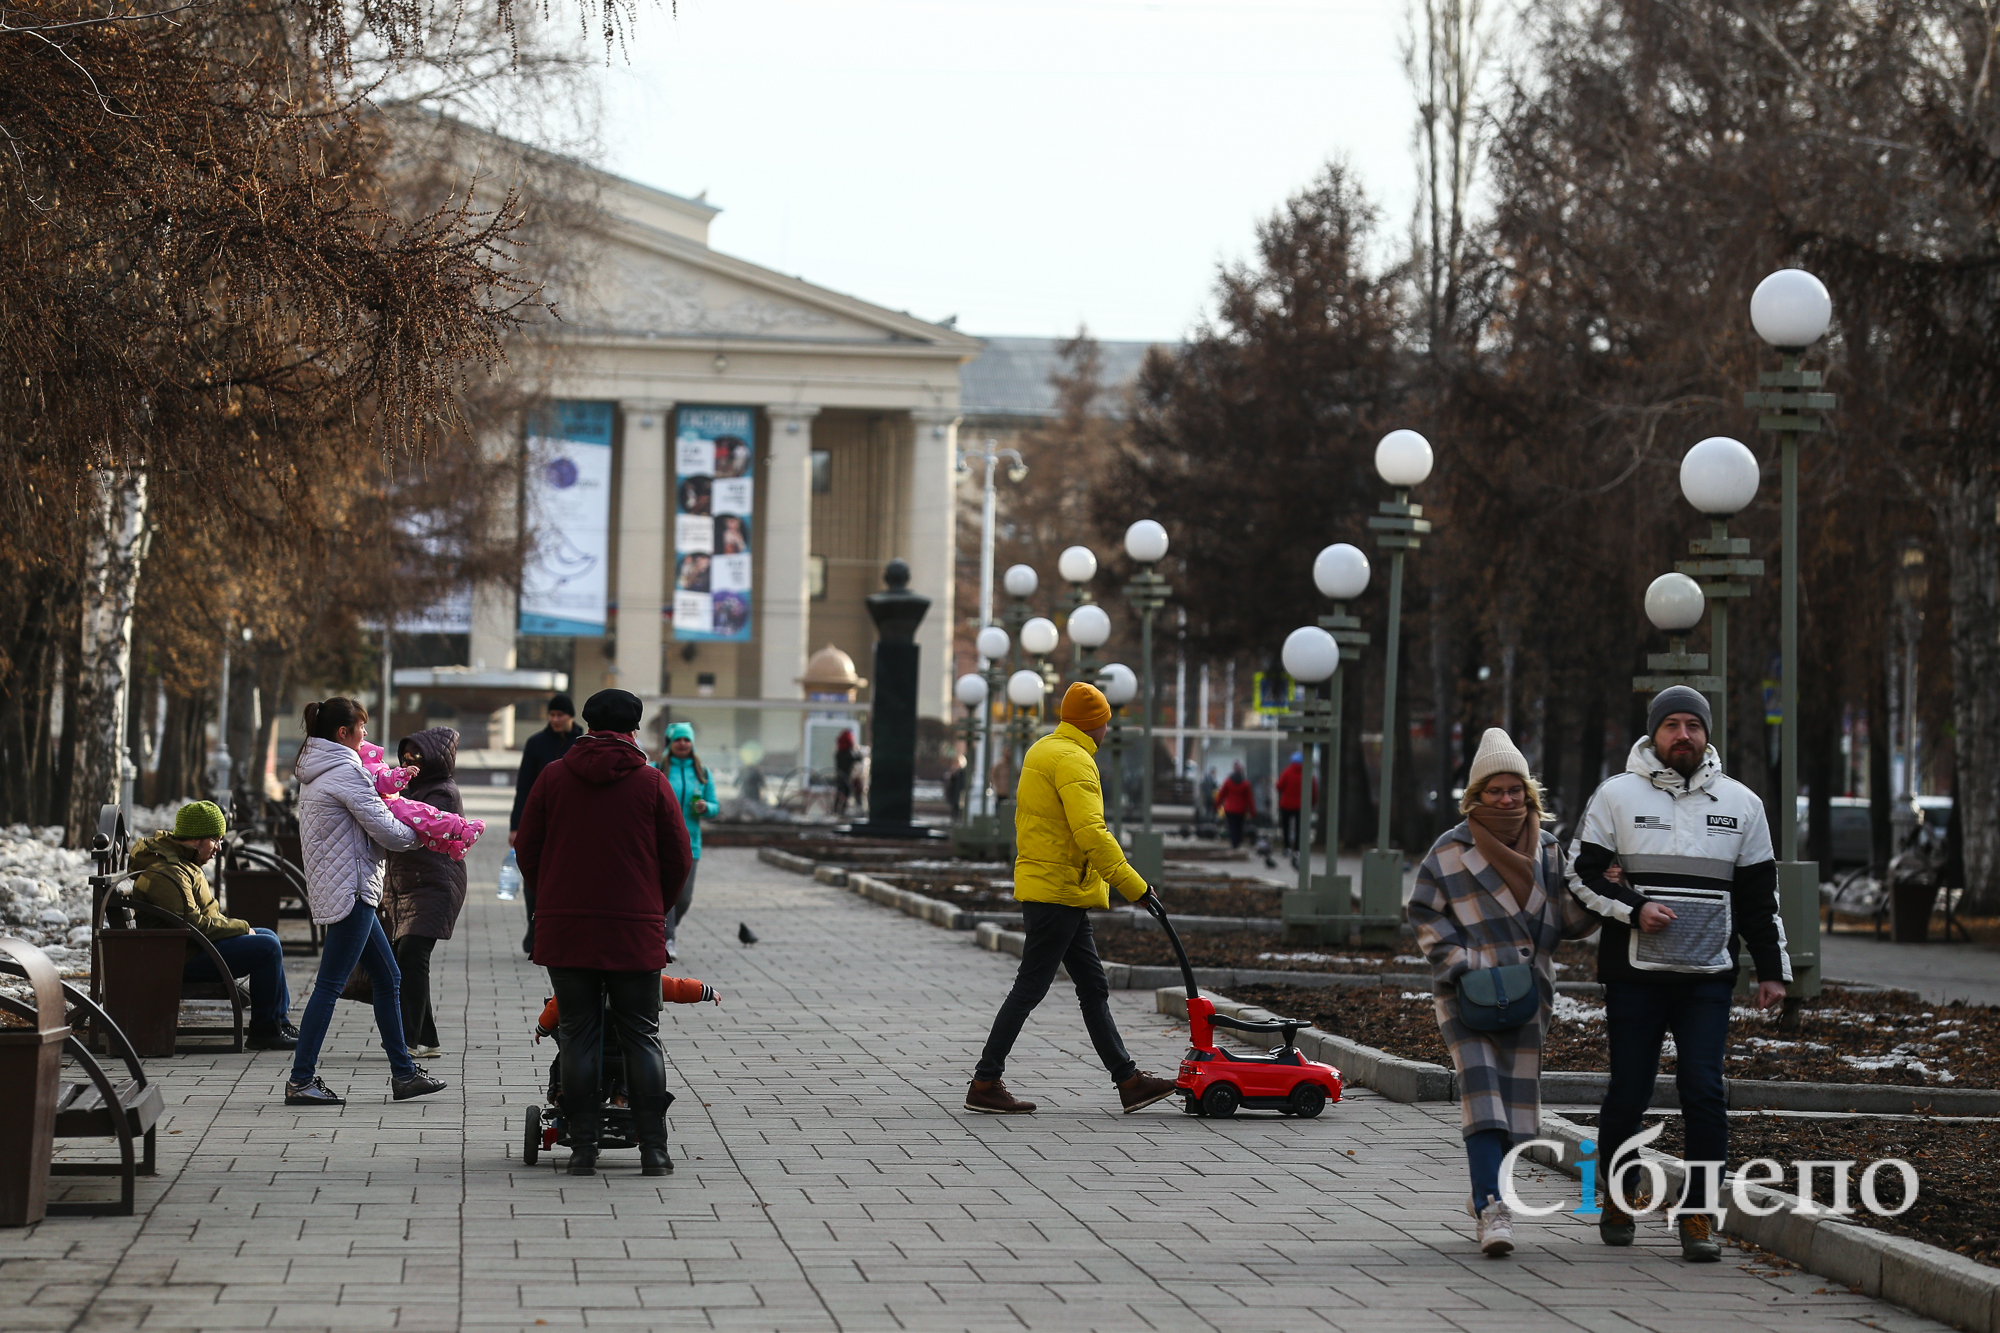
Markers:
<point>1084,707</point>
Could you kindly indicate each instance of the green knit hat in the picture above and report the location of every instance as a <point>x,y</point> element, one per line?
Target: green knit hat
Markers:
<point>200,819</point>
<point>681,731</point>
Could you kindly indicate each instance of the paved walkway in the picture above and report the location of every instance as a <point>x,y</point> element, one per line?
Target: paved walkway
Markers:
<point>827,1179</point>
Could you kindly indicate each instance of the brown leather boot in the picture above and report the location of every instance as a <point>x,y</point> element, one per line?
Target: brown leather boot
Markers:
<point>992,1098</point>
<point>1142,1090</point>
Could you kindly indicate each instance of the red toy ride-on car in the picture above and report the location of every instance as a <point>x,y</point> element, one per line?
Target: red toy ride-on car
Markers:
<point>1215,1081</point>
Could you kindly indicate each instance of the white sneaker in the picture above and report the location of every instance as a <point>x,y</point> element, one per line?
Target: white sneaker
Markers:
<point>670,951</point>
<point>1496,1230</point>
<point>428,1053</point>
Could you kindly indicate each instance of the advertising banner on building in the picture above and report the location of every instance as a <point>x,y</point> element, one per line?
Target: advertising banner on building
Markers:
<point>564,584</point>
<point>714,496</point>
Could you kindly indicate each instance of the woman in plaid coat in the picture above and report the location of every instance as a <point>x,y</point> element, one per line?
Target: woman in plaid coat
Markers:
<point>1492,893</point>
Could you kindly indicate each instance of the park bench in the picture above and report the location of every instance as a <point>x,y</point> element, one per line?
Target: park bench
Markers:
<point>264,888</point>
<point>136,969</point>
<point>39,1107</point>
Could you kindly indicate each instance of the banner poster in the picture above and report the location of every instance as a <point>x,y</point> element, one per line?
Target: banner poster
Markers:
<point>714,497</point>
<point>564,584</point>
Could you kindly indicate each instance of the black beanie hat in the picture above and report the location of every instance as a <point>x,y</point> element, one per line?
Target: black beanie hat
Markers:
<point>613,710</point>
<point>562,703</point>
<point>1677,699</point>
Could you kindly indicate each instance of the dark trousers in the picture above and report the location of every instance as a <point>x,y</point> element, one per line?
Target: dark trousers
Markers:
<point>682,903</point>
<point>1057,937</point>
<point>1638,1015</point>
<point>260,957</point>
<point>413,959</point>
<point>1235,823</point>
<point>634,1015</point>
<point>1288,829</point>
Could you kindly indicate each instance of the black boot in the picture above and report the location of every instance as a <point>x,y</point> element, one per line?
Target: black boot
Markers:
<point>582,1123</point>
<point>649,1126</point>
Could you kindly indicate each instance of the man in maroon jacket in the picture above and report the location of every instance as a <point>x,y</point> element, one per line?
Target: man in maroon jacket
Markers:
<point>604,850</point>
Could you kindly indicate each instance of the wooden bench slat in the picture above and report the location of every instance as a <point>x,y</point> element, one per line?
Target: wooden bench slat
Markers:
<point>83,1113</point>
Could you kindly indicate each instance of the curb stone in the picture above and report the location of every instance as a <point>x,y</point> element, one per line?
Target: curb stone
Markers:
<point>1919,1277</point>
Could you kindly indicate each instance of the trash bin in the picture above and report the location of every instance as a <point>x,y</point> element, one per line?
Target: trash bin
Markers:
<point>31,1074</point>
<point>1910,908</point>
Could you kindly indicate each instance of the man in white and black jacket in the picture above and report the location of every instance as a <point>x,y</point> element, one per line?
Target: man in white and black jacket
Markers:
<point>1681,834</point>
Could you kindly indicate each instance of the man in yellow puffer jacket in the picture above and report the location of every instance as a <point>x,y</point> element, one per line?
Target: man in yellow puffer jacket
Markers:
<point>1066,860</point>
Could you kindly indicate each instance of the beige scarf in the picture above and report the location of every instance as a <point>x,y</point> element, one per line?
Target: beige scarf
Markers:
<point>1510,841</point>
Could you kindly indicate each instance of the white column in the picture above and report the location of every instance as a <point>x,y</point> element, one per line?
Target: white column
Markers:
<point>496,613</point>
<point>929,541</point>
<point>785,601</point>
<point>644,513</point>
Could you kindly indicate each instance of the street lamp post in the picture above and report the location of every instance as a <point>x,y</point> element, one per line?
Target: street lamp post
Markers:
<point>1791,311</point>
<point>1120,687</point>
<point>1146,543</point>
<point>1077,566</point>
<point>969,690</point>
<point>1341,573</point>
<point>984,836</point>
<point>1674,603</point>
<point>1089,629</point>
<point>1403,459</point>
<point>1026,690</point>
<point>1311,656</point>
<point>1017,471</point>
<point>1719,477</point>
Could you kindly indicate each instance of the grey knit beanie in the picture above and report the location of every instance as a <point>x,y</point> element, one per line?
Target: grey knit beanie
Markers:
<point>1677,699</point>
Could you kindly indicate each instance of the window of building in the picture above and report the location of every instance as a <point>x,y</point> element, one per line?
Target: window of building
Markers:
<point>822,470</point>
<point>816,576</point>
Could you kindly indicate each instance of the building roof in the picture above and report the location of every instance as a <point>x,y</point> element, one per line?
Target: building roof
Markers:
<point>1011,377</point>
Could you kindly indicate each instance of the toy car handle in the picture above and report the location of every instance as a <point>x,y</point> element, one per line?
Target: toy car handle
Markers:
<point>1288,1028</point>
<point>1151,902</point>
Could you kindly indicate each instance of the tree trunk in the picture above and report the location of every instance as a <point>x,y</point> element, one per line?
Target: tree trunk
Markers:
<point>1968,515</point>
<point>110,588</point>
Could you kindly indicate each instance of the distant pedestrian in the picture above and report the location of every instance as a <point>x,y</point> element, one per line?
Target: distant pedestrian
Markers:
<point>1237,801</point>
<point>1204,806</point>
<point>1291,794</point>
<point>1491,894</point>
<point>1681,833</point>
<point>694,790</point>
<point>844,759</point>
<point>1066,861</point>
<point>954,785</point>
<point>345,831</point>
<point>168,875</point>
<point>543,748</point>
<point>603,842</point>
<point>426,889</point>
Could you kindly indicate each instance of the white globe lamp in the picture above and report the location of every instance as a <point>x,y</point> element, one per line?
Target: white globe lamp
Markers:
<point>1791,309</point>
<point>1077,564</point>
<point>1024,688</point>
<point>1119,684</point>
<point>1146,542</point>
<point>1038,636</point>
<point>1020,581</point>
<point>1719,476</point>
<point>1089,625</point>
<point>970,689</point>
<point>993,643</point>
<point>1674,603</point>
<point>1310,655</point>
<point>1341,572</point>
<point>1403,458</point>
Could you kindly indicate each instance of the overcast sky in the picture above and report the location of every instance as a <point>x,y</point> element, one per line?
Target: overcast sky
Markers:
<point>1024,164</point>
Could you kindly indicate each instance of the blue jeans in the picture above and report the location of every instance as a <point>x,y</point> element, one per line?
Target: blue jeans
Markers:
<point>260,957</point>
<point>1484,1151</point>
<point>1638,1015</point>
<point>358,939</point>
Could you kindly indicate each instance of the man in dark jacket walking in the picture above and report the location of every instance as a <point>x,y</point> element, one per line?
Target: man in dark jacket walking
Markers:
<point>543,748</point>
<point>604,850</point>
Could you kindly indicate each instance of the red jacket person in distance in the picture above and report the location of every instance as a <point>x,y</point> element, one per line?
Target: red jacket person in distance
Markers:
<point>603,847</point>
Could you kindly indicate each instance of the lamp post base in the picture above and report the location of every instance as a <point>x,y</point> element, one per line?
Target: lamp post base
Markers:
<point>1381,893</point>
<point>983,838</point>
<point>1148,854</point>
<point>1798,908</point>
<point>1303,911</point>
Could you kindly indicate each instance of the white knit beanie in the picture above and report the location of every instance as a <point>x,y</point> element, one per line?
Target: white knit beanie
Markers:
<point>1497,754</point>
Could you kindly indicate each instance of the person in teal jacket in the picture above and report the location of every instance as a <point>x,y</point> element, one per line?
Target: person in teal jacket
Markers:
<point>694,788</point>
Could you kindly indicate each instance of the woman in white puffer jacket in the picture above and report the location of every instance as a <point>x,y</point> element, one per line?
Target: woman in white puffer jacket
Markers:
<point>345,833</point>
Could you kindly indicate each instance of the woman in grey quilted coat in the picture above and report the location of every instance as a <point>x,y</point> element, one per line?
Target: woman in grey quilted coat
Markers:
<point>345,831</point>
<point>1491,894</point>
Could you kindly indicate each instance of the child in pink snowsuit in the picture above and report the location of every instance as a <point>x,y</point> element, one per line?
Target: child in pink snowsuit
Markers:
<point>438,830</point>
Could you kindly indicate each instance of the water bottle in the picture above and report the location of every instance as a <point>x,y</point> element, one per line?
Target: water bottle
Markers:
<point>510,878</point>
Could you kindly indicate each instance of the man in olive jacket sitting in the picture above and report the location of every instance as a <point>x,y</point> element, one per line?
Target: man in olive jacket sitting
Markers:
<point>171,877</point>
<point>1065,861</point>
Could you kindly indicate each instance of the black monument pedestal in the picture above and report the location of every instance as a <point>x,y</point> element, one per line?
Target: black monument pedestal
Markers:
<point>892,761</point>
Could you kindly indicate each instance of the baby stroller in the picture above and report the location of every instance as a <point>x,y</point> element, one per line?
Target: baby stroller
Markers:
<point>547,1128</point>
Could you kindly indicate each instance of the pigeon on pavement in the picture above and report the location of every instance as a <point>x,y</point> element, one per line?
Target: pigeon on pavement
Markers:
<point>744,933</point>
